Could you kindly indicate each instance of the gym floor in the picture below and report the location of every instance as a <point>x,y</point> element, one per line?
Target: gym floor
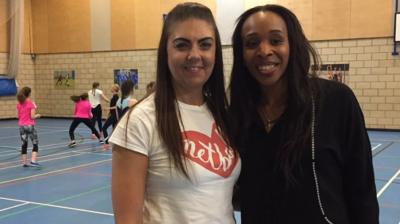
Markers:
<point>73,184</point>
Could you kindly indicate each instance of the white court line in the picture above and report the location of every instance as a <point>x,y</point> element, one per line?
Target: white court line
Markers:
<point>96,153</point>
<point>16,150</point>
<point>39,133</point>
<point>46,160</point>
<point>15,206</point>
<point>388,183</point>
<point>375,147</point>
<point>54,171</point>
<point>59,206</point>
<point>8,149</point>
<point>50,127</point>
<point>43,148</point>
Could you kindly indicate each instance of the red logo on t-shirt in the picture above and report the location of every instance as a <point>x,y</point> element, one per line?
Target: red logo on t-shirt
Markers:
<point>210,152</point>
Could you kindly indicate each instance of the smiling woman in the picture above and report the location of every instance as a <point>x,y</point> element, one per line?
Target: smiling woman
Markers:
<point>305,134</point>
<point>191,50</point>
<point>172,160</point>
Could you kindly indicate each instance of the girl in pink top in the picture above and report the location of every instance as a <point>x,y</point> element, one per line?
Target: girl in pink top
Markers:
<point>83,113</point>
<point>26,122</point>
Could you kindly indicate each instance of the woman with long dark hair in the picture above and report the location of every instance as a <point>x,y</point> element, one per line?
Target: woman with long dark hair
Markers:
<point>305,150</point>
<point>172,162</point>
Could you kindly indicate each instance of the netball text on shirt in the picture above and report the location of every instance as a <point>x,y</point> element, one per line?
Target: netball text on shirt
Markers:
<point>211,153</point>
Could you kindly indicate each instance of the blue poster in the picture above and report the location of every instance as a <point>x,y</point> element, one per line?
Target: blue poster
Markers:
<point>121,75</point>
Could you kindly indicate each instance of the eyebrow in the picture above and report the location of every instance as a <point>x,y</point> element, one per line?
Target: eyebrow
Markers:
<point>270,32</point>
<point>187,40</point>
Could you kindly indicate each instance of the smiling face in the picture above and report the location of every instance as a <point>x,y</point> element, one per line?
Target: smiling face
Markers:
<point>191,55</point>
<point>265,47</point>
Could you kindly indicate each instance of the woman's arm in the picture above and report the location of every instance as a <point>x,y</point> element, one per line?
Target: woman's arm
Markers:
<point>110,108</point>
<point>129,170</point>
<point>104,98</point>
<point>34,115</point>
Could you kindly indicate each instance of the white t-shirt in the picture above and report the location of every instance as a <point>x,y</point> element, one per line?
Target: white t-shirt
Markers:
<point>171,198</point>
<point>95,97</point>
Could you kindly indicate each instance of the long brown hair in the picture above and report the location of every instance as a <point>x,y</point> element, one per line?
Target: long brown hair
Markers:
<point>23,93</point>
<point>77,98</point>
<point>167,115</point>
<point>245,91</point>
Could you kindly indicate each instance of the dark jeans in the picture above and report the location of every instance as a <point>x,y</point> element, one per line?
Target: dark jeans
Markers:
<point>76,122</point>
<point>97,113</point>
<point>111,120</point>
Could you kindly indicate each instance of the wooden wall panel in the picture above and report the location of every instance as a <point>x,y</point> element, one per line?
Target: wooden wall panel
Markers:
<point>79,25</point>
<point>4,25</point>
<point>63,25</point>
<point>123,35</point>
<point>27,44</point>
<point>252,3</point>
<point>148,22</point>
<point>303,10</point>
<point>40,26</point>
<point>371,18</point>
<point>331,19</point>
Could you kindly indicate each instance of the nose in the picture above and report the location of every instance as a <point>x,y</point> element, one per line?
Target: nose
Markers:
<point>194,53</point>
<point>265,49</point>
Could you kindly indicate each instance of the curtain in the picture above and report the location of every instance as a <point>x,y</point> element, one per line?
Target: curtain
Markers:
<point>16,36</point>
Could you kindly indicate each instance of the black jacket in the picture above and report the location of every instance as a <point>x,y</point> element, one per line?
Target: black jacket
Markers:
<point>343,167</point>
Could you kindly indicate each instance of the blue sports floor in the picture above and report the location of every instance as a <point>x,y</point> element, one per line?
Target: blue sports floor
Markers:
<point>73,186</point>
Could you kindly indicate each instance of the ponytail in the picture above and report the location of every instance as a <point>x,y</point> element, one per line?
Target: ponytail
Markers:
<point>24,93</point>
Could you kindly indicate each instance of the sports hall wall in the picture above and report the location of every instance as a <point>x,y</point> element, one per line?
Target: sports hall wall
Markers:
<point>94,37</point>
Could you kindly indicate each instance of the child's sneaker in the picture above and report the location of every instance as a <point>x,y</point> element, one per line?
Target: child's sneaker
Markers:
<point>101,141</point>
<point>25,165</point>
<point>94,136</point>
<point>35,164</point>
<point>72,144</point>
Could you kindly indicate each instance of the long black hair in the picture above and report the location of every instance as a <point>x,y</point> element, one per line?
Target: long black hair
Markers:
<point>167,116</point>
<point>126,89</point>
<point>246,96</point>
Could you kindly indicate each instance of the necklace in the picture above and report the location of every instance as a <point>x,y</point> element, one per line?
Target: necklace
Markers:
<point>268,124</point>
<point>270,115</point>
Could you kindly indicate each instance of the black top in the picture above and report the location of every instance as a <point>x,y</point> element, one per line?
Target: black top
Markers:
<point>343,166</point>
<point>113,103</point>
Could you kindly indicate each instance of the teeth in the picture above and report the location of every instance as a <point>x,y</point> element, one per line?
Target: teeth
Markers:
<point>266,68</point>
<point>193,68</point>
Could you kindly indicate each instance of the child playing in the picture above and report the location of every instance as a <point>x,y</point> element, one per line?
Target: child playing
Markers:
<point>83,113</point>
<point>113,115</point>
<point>26,121</point>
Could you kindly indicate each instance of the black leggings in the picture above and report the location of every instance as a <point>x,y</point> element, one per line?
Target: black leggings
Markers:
<point>26,132</point>
<point>76,122</point>
<point>97,114</point>
<point>111,120</point>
